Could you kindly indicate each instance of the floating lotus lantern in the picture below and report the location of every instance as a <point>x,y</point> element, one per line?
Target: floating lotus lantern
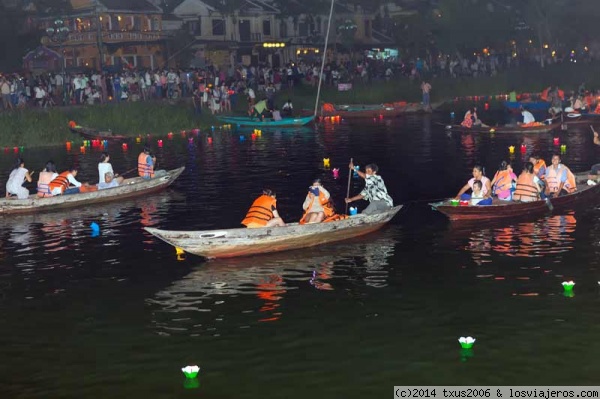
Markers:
<point>160,143</point>
<point>452,115</point>
<point>556,141</point>
<point>563,148</point>
<point>242,138</point>
<point>523,148</point>
<point>568,285</point>
<point>95,229</point>
<point>138,140</point>
<point>68,144</point>
<point>170,135</point>
<point>124,146</point>
<point>326,162</point>
<point>82,149</point>
<point>209,140</point>
<point>336,173</point>
<point>72,124</point>
<point>191,140</point>
<point>466,342</point>
<point>511,149</point>
<point>492,130</point>
<point>190,371</point>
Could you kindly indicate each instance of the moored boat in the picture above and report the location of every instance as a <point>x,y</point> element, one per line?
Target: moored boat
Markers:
<point>510,209</point>
<point>504,129</point>
<point>350,111</point>
<point>236,242</point>
<point>528,105</point>
<point>133,187</point>
<point>265,123</point>
<point>93,134</point>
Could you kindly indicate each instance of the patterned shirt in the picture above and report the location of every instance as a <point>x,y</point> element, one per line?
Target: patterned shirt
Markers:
<point>375,190</point>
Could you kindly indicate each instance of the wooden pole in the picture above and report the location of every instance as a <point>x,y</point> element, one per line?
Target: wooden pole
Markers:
<point>348,189</point>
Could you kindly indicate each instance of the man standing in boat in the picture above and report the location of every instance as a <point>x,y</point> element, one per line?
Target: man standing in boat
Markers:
<point>146,162</point>
<point>375,191</point>
<point>263,212</point>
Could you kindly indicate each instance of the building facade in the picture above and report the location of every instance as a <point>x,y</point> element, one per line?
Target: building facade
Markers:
<point>110,34</point>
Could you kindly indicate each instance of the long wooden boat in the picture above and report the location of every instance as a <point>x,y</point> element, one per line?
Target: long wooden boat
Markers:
<point>93,134</point>
<point>133,187</point>
<point>511,209</point>
<point>266,123</point>
<point>503,129</point>
<point>231,243</point>
<point>357,111</point>
<point>528,105</point>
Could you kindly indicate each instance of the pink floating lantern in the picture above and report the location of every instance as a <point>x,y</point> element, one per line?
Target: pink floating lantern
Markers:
<point>210,140</point>
<point>336,173</point>
<point>556,141</point>
<point>196,131</point>
<point>170,135</point>
<point>160,143</point>
<point>191,140</point>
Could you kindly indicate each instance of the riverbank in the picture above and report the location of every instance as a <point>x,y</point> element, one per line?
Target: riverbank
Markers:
<point>39,127</point>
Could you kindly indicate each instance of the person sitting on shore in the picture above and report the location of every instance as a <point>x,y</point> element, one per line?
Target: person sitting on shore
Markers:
<point>528,185</point>
<point>104,167</point>
<point>263,211</point>
<point>46,176</point>
<point>317,205</point>
<point>375,191</point>
<point>109,181</point>
<point>288,109</point>
<point>559,179</point>
<point>18,175</point>
<point>503,180</point>
<point>65,183</point>
<point>477,175</point>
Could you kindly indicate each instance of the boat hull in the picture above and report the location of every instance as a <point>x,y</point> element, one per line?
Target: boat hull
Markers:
<point>286,122</point>
<point>93,134</point>
<point>508,209</point>
<point>504,129</point>
<point>245,242</point>
<point>529,105</point>
<point>128,189</point>
<point>374,111</point>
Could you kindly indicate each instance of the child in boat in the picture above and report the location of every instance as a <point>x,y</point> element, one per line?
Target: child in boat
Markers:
<point>477,194</point>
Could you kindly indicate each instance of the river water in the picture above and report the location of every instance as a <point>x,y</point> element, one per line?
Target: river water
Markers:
<point>119,314</point>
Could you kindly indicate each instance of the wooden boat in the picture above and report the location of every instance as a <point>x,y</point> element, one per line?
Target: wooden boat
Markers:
<point>528,105</point>
<point>503,129</point>
<point>93,134</point>
<point>511,209</point>
<point>266,123</point>
<point>231,243</point>
<point>133,187</point>
<point>357,111</point>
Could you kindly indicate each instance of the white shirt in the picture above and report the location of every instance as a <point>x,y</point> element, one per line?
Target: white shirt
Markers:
<point>527,116</point>
<point>104,185</point>
<point>251,93</point>
<point>16,179</point>
<point>103,168</point>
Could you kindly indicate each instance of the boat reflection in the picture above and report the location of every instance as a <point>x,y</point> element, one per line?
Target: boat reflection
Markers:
<point>548,236</point>
<point>210,293</point>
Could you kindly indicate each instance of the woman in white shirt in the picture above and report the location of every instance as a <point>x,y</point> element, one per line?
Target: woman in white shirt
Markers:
<point>14,185</point>
<point>104,167</point>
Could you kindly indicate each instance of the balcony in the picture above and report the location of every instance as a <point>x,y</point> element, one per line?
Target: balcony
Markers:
<point>79,38</point>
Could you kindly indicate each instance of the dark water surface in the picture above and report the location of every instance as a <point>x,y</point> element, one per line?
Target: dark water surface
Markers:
<point>118,315</point>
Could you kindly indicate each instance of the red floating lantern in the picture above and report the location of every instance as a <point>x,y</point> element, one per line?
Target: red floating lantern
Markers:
<point>16,150</point>
<point>486,106</point>
<point>124,146</point>
<point>82,149</point>
<point>210,140</point>
<point>253,135</point>
<point>556,141</point>
<point>160,143</point>
<point>523,148</point>
<point>68,143</point>
<point>170,135</point>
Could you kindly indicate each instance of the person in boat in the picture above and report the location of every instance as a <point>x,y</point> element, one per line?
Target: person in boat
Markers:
<point>257,110</point>
<point>477,175</point>
<point>559,179</point>
<point>46,176</point>
<point>556,102</point>
<point>539,169</point>
<point>375,191</point>
<point>276,115</point>
<point>65,183</point>
<point>477,194</point>
<point>146,163</point>
<point>471,119</point>
<point>18,175</point>
<point>288,109</point>
<point>503,180</point>
<point>317,205</point>
<point>595,172</point>
<point>512,96</point>
<point>104,167</point>
<point>109,181</point>
<point>528,185</point>
<point>528,118</point>
<point>263,211</point>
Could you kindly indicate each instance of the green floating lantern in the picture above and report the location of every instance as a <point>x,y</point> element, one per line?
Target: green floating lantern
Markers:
<point>191,383</point>
<point>466,354</point>
<point>190,371</point>
<point>568,285</point>
<point>466,342</point>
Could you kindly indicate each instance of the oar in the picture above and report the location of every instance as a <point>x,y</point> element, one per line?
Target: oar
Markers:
<point>129,171</point>
<point>348,189</point>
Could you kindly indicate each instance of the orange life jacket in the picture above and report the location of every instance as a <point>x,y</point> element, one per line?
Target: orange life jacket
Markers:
<point>261,211</point>
<point>526,188</point>
<point>561,94</point>
<point>43,184</point>
<point>325,203</point>
<point>145,170</point>
<point>335,217</point>
<point>60,181</point>
<point>544,95</point>
<point>537,167</point>
<point>597,110</point>
<point>328,107</point>
<point>501,182</point>
<point>553,180</point>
